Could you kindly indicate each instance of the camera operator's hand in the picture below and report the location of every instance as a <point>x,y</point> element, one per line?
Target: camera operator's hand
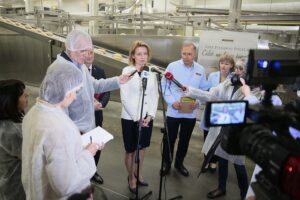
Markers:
<point>245,88</point>
<point>176,105</point>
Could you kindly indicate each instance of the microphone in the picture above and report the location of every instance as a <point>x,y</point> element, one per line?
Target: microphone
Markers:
<point>145,75</point>
<point>135,71</point>
<point>169,76</point>
<point>157,70</point>
<point>132,73</point>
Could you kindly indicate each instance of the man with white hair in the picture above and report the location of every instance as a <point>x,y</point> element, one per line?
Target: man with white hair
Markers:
<point>78,44</point>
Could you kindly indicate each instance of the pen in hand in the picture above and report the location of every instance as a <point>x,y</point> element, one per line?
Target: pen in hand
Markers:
<point>92,147</point>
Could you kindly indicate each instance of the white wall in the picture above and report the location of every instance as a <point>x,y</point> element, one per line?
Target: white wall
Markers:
<point>75,6</point>
<point>159,6</point>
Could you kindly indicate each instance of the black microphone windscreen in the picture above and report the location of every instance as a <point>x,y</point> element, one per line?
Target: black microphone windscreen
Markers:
<point>157,70</point>
<point>146,67</point>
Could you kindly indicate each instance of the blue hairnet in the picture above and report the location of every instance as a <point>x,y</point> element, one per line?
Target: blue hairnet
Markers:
<point>78,40</point>
<point>59,81</point>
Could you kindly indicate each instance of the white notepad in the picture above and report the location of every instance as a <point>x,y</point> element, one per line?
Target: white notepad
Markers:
<point>97,135</point>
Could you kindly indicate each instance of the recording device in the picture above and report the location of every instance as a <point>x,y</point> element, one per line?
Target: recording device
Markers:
<point>271,135</point>
<point>273,66</point>
<point>145,75</point>
<point>235,80</point>
<point>169,76</point>
<point>146,68</point>
<point>225,113</point>
<point>157,70</point>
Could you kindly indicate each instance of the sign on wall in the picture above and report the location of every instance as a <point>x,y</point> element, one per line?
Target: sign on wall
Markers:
<point>214,44</point>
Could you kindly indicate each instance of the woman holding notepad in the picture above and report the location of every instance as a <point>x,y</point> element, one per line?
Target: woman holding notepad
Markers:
<point>55,164</point>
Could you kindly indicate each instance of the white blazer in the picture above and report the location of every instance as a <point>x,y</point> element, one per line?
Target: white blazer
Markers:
<point>131,96</point>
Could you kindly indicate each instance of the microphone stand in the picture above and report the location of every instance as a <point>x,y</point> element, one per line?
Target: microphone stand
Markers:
<point>137,155</point>
<point>165,133</point>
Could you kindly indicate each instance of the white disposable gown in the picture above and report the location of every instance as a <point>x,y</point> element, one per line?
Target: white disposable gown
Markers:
<point>54,162</point>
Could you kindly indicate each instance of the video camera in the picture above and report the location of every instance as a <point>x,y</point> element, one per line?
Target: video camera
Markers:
<point>269,135</point>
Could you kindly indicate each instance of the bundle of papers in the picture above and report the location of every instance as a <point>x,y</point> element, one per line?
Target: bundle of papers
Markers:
<point>186,103</point>
<point>97,135</point>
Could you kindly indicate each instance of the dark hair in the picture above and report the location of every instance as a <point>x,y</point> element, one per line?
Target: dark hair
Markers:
<point>10,91</point>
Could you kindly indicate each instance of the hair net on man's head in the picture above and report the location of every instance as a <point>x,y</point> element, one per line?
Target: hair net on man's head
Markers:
<point>59,81</point>
<point>78,40</point>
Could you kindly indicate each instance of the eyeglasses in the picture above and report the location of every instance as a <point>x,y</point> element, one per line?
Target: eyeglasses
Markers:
<point>241,68</point>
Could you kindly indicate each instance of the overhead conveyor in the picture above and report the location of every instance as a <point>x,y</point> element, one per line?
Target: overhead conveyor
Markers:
<point>24,45</point>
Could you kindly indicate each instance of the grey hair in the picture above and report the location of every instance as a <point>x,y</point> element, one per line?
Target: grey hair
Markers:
<point>190,43</point>
<point>244,62</point>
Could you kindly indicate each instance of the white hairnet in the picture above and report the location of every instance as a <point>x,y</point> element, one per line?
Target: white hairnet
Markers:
<point>78,40</point>
<point>60,80</point>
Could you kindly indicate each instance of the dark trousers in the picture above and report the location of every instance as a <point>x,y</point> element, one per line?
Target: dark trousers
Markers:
<point>97,157</point>
<point>98,123</point>
<point>185,127</point>
<point>241,174</point>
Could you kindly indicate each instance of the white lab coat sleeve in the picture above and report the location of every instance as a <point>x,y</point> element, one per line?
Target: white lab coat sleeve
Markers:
<point>102,85</point>
<point>212,95</point>
<point>252,99</point>
<point>105,85</point>
<point>66,171</point>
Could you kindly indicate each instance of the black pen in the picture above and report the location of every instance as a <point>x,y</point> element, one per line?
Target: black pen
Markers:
<point>91,139</point>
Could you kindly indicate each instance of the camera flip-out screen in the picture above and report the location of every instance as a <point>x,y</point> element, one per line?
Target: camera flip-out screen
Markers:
<point>222,113</point>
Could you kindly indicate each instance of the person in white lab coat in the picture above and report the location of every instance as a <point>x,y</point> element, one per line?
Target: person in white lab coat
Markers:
<point>226,91</point>
<point>55,165</point>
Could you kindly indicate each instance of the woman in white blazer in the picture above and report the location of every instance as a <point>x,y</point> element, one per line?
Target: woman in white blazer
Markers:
<point>131,98</point>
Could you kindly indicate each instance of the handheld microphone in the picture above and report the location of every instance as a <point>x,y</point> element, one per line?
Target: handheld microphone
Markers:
<point>169,76</point>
